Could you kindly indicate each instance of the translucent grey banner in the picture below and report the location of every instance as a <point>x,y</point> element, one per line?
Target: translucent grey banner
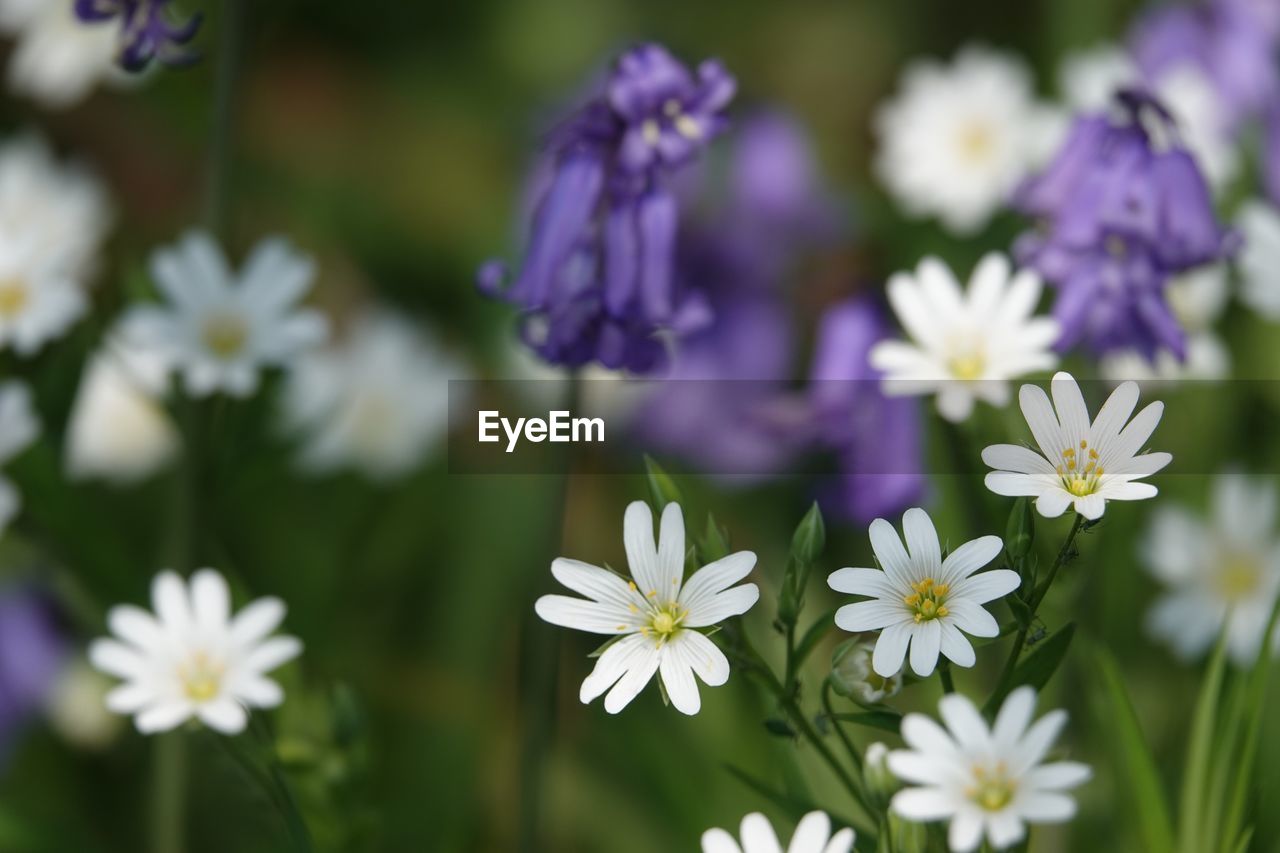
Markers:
<point>760,429</point>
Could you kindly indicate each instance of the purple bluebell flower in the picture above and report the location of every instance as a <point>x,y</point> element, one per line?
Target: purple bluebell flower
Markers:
<point>33,649</point>
<point>148,30</point>
<point>1122,208</point>
<point>878,440</point>
<point>598,282</point>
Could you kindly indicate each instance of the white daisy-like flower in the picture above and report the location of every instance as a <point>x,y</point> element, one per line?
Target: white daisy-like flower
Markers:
<point>219,329</point>
<point>958,138</point>
<point>19,427</point>
<point>192,659</point>
<point>813,835</point>
<point>1225,571</point>
<point>656,614</point>
<point>1198,299</point>
<point>57,60</point>
<point>965,345</point>
<point>1080,464</point>
<point>53,219</point>
<point>118,429</point>
<point>377,402</point>
<point>1259,258</point>
<point>988,781</point>
<point>921,600</point>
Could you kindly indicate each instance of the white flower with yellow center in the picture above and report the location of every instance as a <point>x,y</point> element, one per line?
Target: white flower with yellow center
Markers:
<point>921,600</point>
<point>52,222</point>
<point>957,139</point>
<point>377,401</point>
<point>1225,571</point>
<point>656,614</point>
<point>988,781</point>
<point>813,835</point>
<point>965,345</point>
<point>192,659</point>
<point>219,329</point>
<point>1081,464</point>
<point>19,427</point>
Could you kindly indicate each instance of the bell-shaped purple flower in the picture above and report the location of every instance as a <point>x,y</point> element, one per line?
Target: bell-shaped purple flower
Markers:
<point>598,280</point>
<point>33,649</point>
<point>148,30</point>
<point>878,440</point>
<point>1122,208</point>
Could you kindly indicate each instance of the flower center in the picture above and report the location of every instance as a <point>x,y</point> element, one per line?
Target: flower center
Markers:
<point>201,677</point>
<point>1080,472</point>
<point>225,334</point>
<point>13,297</point>
<point>1238,577</point>
<point>928,601</point>
<point>992,790</point>
<point>967,366</point>
<point>664,622</point>
<point>976,142</point>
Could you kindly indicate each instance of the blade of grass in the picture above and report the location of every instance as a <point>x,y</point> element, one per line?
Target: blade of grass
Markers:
<point>1195,770</point>
<point>1257,697</point>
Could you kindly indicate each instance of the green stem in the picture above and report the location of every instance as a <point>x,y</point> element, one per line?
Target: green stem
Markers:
<point>222,132</point>
<point>854,756</point>
<point>944,673</point>
<point>168,792</point>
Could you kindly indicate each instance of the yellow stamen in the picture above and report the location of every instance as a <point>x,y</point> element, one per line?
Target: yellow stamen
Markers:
<point>13,298</point>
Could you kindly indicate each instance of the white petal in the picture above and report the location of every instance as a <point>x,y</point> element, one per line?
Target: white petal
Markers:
<point>719,841</point>
<point>841,842</point>
<point>871,615</point>
<point>210,600</point>
<point>1058,775</point>
<point>258,619</point>
<point>1054,502</point>
<point>671,553</point>
<point>987,586</point>
<point>965,833</point>
<point>889,551</point>
<point>1013,485</point>
<point>642,551</point>
<point>677,678</point>
<point>955,647</point>
<point>1093,506</point>
<point>971,618</point>
<point>129,698</point>
<point>1004,829</point>
<point>1113,415</point>
<point>1073,414</point>
<point>163,717</point>
<point>594,582</point>
<point>1037,741</point>
<point>923,804</point>
<point>135,625</point>
<point>891,649</point>
<point>1014,457</point>
<point>260,692</point>
<point>1127,492</point>
<point>1013,718</point>
<point>969,557</point>
<point>223,715</point>
<point>926,642</point>
<point>272,653</point>
<point>922,541</point>
<point>965,723</point>
<point>811,833</point>
<point>758,835</point>
<point>115,658</point>
<point>582,615</point>
<point>706,583</point>
<point>626,653</point>
<point>1046,807</point>
<point>1134,436</point>
<point>1042,421</point>
<point>170,601</point>
<point>869,582</point>
<point>722,606</point>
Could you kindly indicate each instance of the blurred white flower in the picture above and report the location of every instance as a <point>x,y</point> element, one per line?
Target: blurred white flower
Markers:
<point>1259,258</point>
<point>76,709</point>
<point>1084,464</point>
<point>958,138</point>
<point>19,426</point>
<point>965,345</point>
<point>813,835</point>
<point>921,600</point>
<point>377,401</point>
<point>1088,78</point>
<point>219,330</point>
<point>852,674</point>
<point>118,429</point>
<point>1223,571</point>
<point>986,780</point>
<point>192,659</point>
<point>1198,299</point>
<point>57,60</point>
<point>655,615</point>
<point>53,219</point>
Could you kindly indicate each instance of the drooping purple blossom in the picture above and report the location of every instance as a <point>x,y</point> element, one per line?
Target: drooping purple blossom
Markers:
<point>1122,208</point>
<point>148,30</point>
<point>32,652</point>
<point>877,439</point>
<point>597,282</point>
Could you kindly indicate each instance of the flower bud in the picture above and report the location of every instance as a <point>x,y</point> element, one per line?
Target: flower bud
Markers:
<point>853,677</point>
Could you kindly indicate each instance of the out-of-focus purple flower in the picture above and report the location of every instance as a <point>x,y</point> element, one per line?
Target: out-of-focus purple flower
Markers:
<point>148,30</point>
<point>1232,42</point>
<point>32,652</point>
<point>597,282</point>
<point>878,439</point>
<point>1123,207</point>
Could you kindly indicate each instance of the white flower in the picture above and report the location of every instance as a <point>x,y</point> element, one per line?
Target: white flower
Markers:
<point>192,659</point>
<point>957,139</point>
<point>1226,571</point>
<point>813,835</point>
<point>655,614</point>
<point>921,599</point>
<point>118,430</point>
<point>853,675</point>
<point>965,344</point>
<point>1198,299</point>
<point>1084,464</point>
<point>1089,78</point>
<point>986,780</point>
<point>19,427</point>
<point>376,402</point>
<point>1259,258</point>
<point>76,707</point>
<point>219,330</point>
<point>52,222</point>
<point>57,59</point>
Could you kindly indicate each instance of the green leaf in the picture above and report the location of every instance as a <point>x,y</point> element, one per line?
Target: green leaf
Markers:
<point>1021,611</point>
<point>662,489</point>
<point>809,641</point>
<point>885,720</point>
<point>1038,665</point>
<point>779,728</point>
<point>1020,531</point>
<point>1195,771</point>
<point>810,537</point>
<point>714,544</point>
<point>1254,707</point>
<point>1132,755</point>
